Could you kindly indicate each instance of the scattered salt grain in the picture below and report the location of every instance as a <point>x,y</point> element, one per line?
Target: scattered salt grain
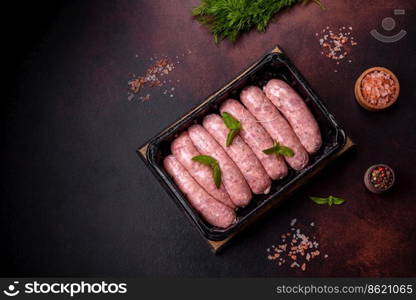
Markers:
<point>336,44</point>
<point>303,267</point>
<point>154,76</point>
<point>299,247</point>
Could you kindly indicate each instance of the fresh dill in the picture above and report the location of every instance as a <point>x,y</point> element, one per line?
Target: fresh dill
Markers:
<point>229,18</point>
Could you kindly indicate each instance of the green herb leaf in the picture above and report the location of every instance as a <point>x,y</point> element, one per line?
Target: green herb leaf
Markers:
<point>279,150</point>
<point>319,200</point>
<point>228,19</point>
<point>231,135</point>
<point>336,200</point>
<point>331,200</point>
<point>205,159</point>
<point>270,151</point>
<point>285,151</point>
<point>233,124</point>
<point>213,163</point>
<point>230,121</point>
<point>216,174</point>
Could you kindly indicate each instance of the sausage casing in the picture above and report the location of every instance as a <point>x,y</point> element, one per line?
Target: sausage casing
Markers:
<point>257,138</point>
<point>275,124</point>
<point>292,106</point>
<point>214,212</point>
<point>240,153</point>
<point>184,150</point>
<point>232,178</point>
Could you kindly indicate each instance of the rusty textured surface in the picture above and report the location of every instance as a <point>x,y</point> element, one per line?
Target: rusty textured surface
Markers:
<point>88,206</point>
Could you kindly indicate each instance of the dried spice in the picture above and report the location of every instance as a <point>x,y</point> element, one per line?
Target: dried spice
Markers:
<point>381,177</point>
<point>297,247</point>
<point>378,88</point>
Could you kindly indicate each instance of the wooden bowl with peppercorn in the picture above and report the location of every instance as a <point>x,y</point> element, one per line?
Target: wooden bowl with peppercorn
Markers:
<point>377,88</point>
<point>379,178</point>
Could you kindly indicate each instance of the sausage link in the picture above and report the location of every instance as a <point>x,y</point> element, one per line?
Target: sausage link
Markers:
<point>232,178</point>
<point>240,153</point>
<point>292,106</point>
<point>275,124</point>
<point>184,150</point>
<point>214,212</point>
<point>257,138</point>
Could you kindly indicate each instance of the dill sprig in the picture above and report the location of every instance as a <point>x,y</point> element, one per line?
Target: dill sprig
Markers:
<point>230,18</point>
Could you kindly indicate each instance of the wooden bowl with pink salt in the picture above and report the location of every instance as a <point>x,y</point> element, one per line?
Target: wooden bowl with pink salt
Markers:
<point>377,88</point>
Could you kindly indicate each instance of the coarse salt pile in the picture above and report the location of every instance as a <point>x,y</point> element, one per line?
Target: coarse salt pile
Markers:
<point>378,88</point>
<point>336,45</point>
<point>296,248</point>
<point>152,77</point>
<point>155,76</point>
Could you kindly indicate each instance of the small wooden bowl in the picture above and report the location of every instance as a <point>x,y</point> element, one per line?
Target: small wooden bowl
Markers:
<point>367,177</point>
<point>360,98</point>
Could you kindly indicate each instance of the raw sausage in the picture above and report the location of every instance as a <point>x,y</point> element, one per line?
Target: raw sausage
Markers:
<point>240,153</point>
<point>232,178</point>
<point>211,210</point>
<point>275,124</point>
<point>296,112</point>
<point>257,138</point>
<point>183,150</point>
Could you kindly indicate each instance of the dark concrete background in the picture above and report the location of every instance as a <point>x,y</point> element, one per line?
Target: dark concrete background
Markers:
<point>77,201</point>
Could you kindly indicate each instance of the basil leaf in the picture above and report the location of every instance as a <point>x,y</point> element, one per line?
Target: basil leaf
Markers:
<point>216,174</point>
<point>270,151</point>
<point>231,135</point>
<point>205,159</point>
<point>331,200</point>
<point>230,121</point>
<point>337,201</point>
<point>319,200</point>
<point>285,151</point>
<point>213,163</point>
<point>279,150</point>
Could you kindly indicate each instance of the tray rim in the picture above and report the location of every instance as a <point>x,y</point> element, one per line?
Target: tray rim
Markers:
<point>169,185</point>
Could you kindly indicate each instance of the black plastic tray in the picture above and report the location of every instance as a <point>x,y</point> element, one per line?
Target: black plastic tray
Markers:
<point>271,65</point>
